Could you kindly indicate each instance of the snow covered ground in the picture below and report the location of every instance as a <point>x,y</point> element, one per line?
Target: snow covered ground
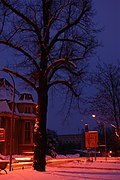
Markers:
<point>72,170</point>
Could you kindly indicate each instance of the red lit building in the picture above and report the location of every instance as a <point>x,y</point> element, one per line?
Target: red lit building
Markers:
<point>23,121</point>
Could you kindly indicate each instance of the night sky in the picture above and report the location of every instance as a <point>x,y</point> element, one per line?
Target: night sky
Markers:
<point>108,17</point>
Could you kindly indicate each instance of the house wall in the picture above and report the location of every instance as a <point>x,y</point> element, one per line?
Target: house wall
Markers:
<point>20,145</point>
<point>26,144</point>
<point>23,121</point>
<point>26,108</point>
<point>5,146</point>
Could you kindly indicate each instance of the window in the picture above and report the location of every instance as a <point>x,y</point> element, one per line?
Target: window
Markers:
<point>27,109</point>
<point>27,133</point>
<point>1,123</point>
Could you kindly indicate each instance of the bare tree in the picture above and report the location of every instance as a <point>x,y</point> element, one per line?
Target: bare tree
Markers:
<point>54,38</point>
<point>106,101</point>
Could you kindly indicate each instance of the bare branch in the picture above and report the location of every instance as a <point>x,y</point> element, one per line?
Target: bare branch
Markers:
<point>73,41</point>
<point>18,13</point>
<point>58,63</point>
<point>20,76</point>
<point>59,10</point>
<point>47,35</point>
<point>69,25</point>
<point>67,68</point>
<point>18,48</point>
<point>15,32</point>
<point>64,82</point>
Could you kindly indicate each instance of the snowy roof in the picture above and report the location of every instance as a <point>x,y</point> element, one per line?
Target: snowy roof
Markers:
<point>6,95</point>
<point>25,101</point>
<point>25,97</point>
<point>4,107</point>
<point>6,90</point>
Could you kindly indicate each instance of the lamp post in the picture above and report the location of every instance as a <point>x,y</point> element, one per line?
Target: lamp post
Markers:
<point>105,140</point>
<point>105,135</point>
<point>11,123</point>
<point>12,117</point>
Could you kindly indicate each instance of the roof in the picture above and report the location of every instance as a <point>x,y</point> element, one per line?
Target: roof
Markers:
<point>6,96</point>
<point>26,98</point>
<point>4,107</point>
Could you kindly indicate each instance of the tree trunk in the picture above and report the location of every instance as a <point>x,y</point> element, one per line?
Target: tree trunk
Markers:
<point>39,163</point>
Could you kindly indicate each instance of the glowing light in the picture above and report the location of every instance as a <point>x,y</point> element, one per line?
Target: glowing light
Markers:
<point>93,115</point>
<point>23,159</point>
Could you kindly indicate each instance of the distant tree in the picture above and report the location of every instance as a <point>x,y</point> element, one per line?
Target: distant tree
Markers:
<point>105,103</point>
<point>52,143</point>
<point>54,38</point>
<point>112,142</point>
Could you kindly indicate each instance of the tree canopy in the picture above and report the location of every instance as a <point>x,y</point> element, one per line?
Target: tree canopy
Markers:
<point>106,101</point>
<point>53,40</point>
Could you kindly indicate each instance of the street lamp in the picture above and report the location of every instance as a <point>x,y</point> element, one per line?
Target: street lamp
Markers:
<point>12,117</point>
<point>105,133</point>
<point>105,139</point>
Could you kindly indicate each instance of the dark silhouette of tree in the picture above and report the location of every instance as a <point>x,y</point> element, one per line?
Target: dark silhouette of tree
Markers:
<point>106,101</point>
<point>54,38</point>
<point>52,143</point>
<point>112,143</point>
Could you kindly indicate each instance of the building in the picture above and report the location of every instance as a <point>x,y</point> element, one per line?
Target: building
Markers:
<point>23,121</point>
<point>70,143</point>
<point>75,139</point>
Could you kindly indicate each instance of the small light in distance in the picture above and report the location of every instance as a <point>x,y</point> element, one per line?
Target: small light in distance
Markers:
<point>93,115</point>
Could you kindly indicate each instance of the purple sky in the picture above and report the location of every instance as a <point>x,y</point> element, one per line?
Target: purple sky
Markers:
<point>108,17</point>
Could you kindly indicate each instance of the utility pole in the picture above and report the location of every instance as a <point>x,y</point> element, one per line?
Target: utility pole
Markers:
<point>12,118</point>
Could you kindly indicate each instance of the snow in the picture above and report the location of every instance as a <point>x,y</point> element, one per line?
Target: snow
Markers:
<point>4,107</point>
<point>5,93</point>
<point>76,169</point>
<point>6,96</point>
<point>29,101</point>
